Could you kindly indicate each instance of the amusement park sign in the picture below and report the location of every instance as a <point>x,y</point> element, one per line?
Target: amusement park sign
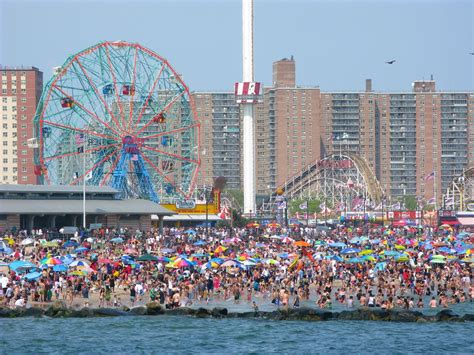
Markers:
<point>185,204</point>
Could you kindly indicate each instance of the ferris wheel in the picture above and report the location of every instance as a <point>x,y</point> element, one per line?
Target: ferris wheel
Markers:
<point>118,114</point>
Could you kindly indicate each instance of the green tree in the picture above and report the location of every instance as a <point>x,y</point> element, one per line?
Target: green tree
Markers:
<point>236,195</point>
<point>294,206</point>
<point>410,203</point>
<point>238,220</point>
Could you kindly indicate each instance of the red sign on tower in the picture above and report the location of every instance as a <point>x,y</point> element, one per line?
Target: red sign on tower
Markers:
<point>248,93</point>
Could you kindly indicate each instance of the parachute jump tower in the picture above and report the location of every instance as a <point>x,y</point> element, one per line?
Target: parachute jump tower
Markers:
<point>248,93</point>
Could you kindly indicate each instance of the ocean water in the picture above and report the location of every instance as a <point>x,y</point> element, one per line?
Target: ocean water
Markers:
<point>178,334</point>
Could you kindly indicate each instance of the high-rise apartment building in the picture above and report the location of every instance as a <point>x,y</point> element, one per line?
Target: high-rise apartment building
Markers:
<point>21,91</point>
<point>220,138</point>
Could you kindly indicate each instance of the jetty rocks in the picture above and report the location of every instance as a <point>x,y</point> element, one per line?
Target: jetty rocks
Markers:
<point>60,310</point>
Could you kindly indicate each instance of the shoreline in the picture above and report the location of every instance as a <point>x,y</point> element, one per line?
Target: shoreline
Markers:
<point>60,310</point>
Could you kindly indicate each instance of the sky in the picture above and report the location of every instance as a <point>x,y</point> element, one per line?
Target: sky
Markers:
<point>336,44</point>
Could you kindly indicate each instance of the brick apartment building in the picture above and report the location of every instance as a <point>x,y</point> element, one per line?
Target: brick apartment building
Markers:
<point>21,91</point>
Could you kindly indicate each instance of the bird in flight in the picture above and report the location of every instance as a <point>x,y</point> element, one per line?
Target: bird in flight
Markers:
<point>391,61</point>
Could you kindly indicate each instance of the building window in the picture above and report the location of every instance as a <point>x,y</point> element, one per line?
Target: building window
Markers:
<point>5,160</point>
<point>24,178</point>
<point>23,169</point>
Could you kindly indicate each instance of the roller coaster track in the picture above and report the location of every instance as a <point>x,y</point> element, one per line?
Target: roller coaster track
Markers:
<point>460,192</point>
<point>315,172</point>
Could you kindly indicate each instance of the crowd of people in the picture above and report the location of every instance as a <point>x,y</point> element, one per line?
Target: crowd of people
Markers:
<point>379,266</point>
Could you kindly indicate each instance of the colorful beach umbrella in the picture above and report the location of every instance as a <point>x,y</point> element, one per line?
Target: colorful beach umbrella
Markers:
<point>220,249</point>
<point>51,261</point>
<point>302,243</point>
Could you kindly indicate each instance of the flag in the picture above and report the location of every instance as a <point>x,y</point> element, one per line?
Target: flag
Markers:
<point>80,149</point>
<point>76,175</point>
<point>304,205</point>
<point>134,157</point>
<point>281,205</point>
<point>396,206</point>
<point>431,201</point>
<point>430,176</point>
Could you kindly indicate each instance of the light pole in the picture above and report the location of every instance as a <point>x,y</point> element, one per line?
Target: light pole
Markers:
<point>207,210</point>
<point>383,213</point>
<point>461,181</point>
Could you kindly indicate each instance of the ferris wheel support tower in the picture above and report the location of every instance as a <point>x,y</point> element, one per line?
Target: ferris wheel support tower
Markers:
<point>248,93</point>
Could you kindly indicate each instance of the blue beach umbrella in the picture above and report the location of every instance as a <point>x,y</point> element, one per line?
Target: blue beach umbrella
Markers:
<point>217,260</point>
<point>21,265</point>
<point>350,251</point>
<point>335,257</point>
<point>200,242</point>
<point>60,268</point>
<point>70,244</point>
<point>462,235</point>
<point>337,245</point>
<point>380,266</point>
<point>66,259</point>
<point>32,276</point>
<point>6,250</point>
<point>355,261</point>
<point>391,253</point>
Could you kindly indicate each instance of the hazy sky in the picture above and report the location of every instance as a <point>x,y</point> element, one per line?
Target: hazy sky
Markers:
<point>336,44</point>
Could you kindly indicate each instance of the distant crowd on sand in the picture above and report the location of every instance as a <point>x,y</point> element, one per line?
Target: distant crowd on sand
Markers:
<point>409,267</point>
